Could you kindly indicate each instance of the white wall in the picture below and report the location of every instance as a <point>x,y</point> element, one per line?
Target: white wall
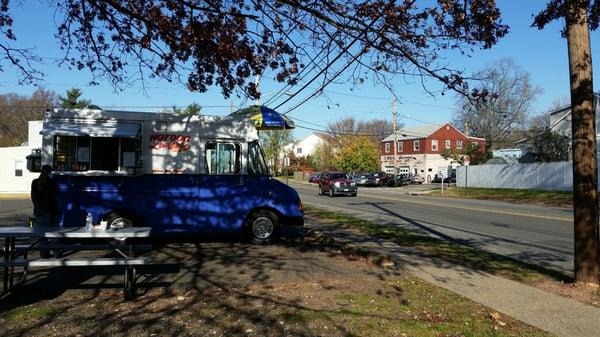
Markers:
<point>9,158</point>
<point>307,145</point>
<point>427,164</point>
<point>12,158</point>
<point>34,139</point>
<point>542,176</point>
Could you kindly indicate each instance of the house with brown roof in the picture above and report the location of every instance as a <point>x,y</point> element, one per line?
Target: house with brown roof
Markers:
<point>419,149</point>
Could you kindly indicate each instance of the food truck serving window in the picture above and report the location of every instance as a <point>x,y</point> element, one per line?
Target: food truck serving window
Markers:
<point>223,158</point>
<point>83,153</point>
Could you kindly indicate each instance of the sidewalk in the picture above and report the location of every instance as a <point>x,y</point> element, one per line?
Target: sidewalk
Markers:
<point>556,314</point>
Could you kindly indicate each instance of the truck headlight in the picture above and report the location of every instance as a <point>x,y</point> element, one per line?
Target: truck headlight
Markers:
<point>352,184</point>
<point>336,184</point>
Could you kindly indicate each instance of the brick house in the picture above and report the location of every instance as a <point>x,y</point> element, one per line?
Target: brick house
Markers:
<point>420,149</point>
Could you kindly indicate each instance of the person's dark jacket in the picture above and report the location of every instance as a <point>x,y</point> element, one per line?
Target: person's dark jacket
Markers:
<point>44,195</point>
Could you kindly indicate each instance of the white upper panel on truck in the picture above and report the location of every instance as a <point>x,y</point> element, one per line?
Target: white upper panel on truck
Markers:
<point>90,141</point>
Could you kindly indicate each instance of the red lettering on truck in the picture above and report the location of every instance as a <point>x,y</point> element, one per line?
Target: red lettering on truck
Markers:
<point>173,142</point>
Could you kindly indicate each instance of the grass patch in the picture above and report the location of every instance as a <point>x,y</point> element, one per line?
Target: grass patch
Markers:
<point>406,306</point>
<point>450,251</point>
<point>29,313</point>
<point>554,198</point>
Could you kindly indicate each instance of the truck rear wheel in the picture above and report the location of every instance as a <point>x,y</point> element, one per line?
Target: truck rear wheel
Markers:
<point>262,227</point>
<point>117,220</point>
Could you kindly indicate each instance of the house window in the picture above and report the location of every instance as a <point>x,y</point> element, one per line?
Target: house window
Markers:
<point>416,145</point>
<point>400,147</point>
<point>447,143</point>
<point>434,145</point>
<point>387,147</point>
<point>459,144</point>
<point>298,150</point>
<point>18,168</point>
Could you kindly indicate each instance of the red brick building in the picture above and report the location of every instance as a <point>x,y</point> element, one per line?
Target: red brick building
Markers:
<point>419,149</point>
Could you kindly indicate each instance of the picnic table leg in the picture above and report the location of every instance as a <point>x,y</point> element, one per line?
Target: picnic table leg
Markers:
<point>12,257</point>
<point>5,254</point>
<point>129,289</point>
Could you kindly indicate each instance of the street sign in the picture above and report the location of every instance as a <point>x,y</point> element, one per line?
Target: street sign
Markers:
<point>466,160</point>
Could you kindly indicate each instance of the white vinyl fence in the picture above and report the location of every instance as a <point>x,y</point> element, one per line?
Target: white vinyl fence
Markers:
<point>541,176</point>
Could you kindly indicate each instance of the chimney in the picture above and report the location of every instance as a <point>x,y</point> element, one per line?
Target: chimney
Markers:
<point>466,132</point>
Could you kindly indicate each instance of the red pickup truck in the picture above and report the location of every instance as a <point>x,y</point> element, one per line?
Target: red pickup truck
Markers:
<point>335,183</point>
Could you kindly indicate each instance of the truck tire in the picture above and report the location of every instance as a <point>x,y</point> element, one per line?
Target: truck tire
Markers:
<point>117,220</point>
<point>262,227</point>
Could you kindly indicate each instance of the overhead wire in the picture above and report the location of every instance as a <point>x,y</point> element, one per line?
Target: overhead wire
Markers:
<point>330,63</point>
<point>356,133</point>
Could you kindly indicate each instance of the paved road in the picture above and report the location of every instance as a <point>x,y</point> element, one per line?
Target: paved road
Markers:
<point>15,212</point>
<point>541,235</point>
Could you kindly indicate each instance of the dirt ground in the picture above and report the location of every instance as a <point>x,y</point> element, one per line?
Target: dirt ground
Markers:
<point>582,292</point>
<point>295,288</point>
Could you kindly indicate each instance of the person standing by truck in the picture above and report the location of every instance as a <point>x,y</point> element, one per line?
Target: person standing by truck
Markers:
<point>44,195</point>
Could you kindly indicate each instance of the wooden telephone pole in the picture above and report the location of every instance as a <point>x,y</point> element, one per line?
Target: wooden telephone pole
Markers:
<point>585,176</point>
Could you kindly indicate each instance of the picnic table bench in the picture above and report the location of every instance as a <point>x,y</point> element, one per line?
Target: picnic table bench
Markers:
<point>122,241</point>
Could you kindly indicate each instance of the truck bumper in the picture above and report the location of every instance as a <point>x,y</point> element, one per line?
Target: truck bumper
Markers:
<point>344,190</point>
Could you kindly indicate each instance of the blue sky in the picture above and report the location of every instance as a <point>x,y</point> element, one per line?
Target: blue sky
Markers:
<point>543,54</point>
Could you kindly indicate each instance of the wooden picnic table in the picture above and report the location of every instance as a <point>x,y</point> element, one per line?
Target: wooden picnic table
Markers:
<point>86,240</point>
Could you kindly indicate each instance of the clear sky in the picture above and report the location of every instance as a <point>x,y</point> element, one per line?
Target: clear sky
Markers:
<point>543,54</point>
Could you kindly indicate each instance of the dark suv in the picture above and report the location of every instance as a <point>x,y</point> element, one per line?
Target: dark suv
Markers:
<point>382,178</point>
<point>399,180</point>
<point>336,183</point>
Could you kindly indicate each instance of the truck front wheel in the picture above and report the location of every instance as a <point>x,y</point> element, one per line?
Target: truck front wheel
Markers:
<point>262,227</point>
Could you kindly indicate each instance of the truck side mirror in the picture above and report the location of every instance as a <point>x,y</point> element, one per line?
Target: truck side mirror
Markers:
<point>34,162</point>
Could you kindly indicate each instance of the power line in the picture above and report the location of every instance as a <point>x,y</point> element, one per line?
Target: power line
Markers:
<point>375,97</point>
<point>342,52</point>
<point>108,107</point>
<point>388,132</point>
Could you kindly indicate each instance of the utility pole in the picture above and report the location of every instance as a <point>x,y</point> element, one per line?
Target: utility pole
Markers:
<point>585,179</point>
<point>256,83</point>
<point>230,106</point>
<point>394,127</point>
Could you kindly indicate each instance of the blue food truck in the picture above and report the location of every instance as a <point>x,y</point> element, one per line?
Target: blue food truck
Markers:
<point>173,173</point>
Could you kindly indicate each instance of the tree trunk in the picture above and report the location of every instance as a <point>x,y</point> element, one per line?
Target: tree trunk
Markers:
<point>585,194</point>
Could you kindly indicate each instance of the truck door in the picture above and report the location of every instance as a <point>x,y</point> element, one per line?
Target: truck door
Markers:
<point>223,192</point>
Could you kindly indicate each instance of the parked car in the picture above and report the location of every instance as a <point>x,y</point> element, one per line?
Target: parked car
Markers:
<point>314,178</point>
<point>382,178</point>
<point>334,183</point>
<point>450,179</point>
<point>416,179</point>
<point>365,180</point>
<point>399,180</point>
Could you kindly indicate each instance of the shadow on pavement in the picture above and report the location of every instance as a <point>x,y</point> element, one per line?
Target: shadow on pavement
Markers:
<point>223,276</point>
